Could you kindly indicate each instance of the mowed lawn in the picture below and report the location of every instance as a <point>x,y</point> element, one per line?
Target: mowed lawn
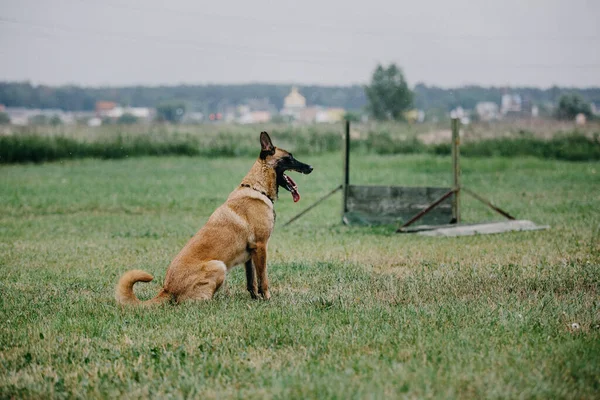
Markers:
<point>355,313</point>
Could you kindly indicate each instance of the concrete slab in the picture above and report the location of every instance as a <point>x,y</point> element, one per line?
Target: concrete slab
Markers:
<point>481,229</point>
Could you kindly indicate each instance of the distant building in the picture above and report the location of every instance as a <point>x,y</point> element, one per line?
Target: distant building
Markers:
<point>25,116</point>
<point>487,111</point>
<point>294,100</point>
<point>461,114</point>
<point>193,117</point>
<point>243,109</point>
<point>309,115</point>
<point>580,119</point>
<point>295,109</point>
<point>229,114</point>
<point>293,104</point>
<point>103,107</point>
<point>260,104</point>
<point>319,114</point>
<point>511,103</point>
<point>94,122</point>
<point>535,111</point>
<point>113,111</point>
<point>260,117</point>
<point>18,115</point>
<point>108,109</point>
<point>335,114</point>
<point>255,117</point>
<point>139,112</point>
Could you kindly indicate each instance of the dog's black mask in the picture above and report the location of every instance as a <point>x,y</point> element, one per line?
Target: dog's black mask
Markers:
<point>289,163</point>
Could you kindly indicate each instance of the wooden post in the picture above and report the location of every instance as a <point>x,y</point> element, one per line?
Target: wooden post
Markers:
<point>346,171</point>
<point>456,170</point>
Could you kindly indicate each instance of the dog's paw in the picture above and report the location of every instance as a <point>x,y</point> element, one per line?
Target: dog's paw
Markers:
<point>266,295</point>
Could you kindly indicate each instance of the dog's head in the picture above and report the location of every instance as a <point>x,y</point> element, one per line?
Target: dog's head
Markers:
<point>282,161</point>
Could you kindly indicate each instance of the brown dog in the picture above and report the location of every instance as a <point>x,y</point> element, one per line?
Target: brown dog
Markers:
<point>237,232</point>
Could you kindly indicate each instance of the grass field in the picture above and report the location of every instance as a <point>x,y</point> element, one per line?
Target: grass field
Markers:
<point>355,313</point>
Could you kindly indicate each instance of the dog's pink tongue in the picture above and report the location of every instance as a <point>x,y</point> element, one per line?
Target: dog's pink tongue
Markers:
<point>293,188</point>
<point>295,195</point>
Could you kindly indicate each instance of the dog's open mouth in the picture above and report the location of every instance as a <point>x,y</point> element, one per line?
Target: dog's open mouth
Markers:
<point>292,187</point>
<point>288,183</point>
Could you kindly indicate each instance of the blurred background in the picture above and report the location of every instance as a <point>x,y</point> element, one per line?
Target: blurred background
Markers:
<point>117,78</point>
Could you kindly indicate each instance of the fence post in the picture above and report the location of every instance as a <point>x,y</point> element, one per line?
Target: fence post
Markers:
<point>346,166</point>
<point>456,170</point>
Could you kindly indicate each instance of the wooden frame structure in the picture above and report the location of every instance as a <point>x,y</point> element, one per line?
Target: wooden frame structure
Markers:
<point>442,205</point>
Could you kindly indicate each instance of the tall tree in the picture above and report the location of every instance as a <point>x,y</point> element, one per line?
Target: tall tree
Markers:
<point>569,105</point>
<point>170,111</point>
<point>388,95</point>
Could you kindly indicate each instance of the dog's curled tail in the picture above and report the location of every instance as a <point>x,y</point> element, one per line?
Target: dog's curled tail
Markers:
<point>124,290</point>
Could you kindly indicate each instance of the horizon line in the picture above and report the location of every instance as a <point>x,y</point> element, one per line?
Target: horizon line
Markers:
<point>275,83</point>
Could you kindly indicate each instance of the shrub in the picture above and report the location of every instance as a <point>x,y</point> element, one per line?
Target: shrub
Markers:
<point>31,148</point>
<point>35,148</point>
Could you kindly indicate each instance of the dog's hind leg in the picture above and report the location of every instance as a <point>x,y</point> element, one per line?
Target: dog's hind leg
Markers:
<point>251,282</point>
<point>207,282</point>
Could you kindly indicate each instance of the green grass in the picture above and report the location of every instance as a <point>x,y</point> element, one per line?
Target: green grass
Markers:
<point>355,313</point>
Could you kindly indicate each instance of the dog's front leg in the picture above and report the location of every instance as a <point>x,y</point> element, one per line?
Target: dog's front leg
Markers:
<point>251,283</point>
<point>259,259</point>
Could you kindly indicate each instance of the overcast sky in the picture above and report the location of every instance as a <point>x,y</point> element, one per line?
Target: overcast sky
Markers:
<point>438,42</point>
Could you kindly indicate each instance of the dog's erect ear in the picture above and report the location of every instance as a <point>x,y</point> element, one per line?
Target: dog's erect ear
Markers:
<point>266,146</point>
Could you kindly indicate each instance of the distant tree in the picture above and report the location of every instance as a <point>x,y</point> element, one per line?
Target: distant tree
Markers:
<point>352,116</point>
<point>569,105</point>
<point>388,95</point>
<point>170,112</point>
<point>127,119</point>
<point>4,118</point>
<point>55,120</point>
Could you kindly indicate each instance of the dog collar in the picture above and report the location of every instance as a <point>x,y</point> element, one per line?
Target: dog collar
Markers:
<point>259,191</point>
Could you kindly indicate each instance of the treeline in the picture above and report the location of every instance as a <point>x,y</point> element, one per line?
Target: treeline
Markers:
<point>432,97</point>
<point>211,98</point>
<point>205,98</point>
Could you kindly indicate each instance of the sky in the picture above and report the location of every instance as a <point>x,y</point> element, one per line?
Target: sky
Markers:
<point>445,43</point>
